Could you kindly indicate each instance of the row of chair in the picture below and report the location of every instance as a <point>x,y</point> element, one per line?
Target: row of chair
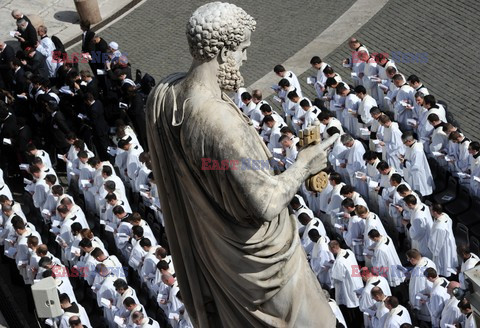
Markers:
<point>459,204</point>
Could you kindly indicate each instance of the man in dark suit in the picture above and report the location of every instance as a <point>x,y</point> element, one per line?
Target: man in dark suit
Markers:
<point>90,84</point>
<point>28,34</point>
<point>99,55</point>
<point>56,125</point>
<point>7,55</point>
<point>87,36</point>
<point>8,132</point>
<point>24,137</point>
<point>36,63</point>
<point>136,113</point>
<point>19,81</point>
<point>100,126</point>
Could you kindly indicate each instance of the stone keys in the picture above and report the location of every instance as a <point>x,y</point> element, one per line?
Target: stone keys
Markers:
<point>308,136</point>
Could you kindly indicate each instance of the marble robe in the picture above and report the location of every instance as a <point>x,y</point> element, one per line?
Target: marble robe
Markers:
<point>253,243</point>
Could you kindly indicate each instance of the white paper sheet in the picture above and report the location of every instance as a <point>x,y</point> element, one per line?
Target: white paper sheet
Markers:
<point>412,121</point>
<point>364,131</point>
<point>119,321</point>
<point>74,250</point>
<point>359,175</point>
<point>24,167</point>
<point>105,302</point>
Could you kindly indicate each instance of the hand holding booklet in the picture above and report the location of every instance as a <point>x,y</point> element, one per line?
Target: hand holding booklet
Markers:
<point>359,175</point>
<point>311,80</point>
<point>105,302</point>
<point>119,321</point>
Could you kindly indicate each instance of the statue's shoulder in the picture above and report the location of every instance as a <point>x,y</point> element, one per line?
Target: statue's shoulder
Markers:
<point>172,79</point>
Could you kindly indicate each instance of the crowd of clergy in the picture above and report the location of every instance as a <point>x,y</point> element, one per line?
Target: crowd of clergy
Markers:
<point>385,255</point>
<point>96,227</point>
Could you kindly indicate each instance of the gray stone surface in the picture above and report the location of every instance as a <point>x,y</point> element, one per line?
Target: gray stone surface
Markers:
<point>60,16</point>
<point>153,35</point>
<point>443,30</point>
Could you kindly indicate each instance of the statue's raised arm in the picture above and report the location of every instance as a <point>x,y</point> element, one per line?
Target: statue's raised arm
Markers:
<point>236,251</point>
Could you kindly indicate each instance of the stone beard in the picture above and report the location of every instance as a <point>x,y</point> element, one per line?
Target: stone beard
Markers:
<point>229,76</point>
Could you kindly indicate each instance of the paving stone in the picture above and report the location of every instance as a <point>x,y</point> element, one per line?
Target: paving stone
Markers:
<point>153,35</point>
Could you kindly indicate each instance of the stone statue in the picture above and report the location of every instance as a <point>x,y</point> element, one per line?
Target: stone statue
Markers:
<point>236,249</point>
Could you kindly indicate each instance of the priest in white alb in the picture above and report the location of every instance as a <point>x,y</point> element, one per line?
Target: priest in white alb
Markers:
<point>346,280</point>
<point>385,258</point>
<point>451,314</point>
<point>437,295</point>
<point>442,242</point>
<point>418,282</point>
<point>416,169</point>
<point>321,259</point>
<point>419,225</point>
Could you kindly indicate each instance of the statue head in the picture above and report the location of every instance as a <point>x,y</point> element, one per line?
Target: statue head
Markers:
<point>221,31</point>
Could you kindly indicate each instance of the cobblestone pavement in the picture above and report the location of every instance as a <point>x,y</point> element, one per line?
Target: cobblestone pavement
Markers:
<point>153,35</point>
<point>435,41</point>
<point>60,16</point>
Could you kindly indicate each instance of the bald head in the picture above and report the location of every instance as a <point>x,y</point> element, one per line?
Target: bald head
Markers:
<point>17,14</point>
<point>451,286</point>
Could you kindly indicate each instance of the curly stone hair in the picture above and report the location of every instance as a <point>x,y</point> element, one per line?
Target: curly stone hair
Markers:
<point>217,25</point>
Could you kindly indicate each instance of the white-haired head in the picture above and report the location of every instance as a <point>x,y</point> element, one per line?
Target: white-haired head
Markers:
<point>216,25</point>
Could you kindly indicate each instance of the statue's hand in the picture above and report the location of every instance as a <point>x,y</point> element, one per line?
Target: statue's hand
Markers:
<point>315,156</point>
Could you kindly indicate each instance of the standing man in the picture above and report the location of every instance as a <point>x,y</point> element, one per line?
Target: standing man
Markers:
<point>385,258</point>
<point>319,65</point>
<point>363,115</point>
<point>7,55</point>
<point>27,35</point>
<point>290,76</point>
<point>415,165</point>
<point>419,225</point>
<point>438,295</point>
<point>355,163</point>
<point>346,280</point>
<point>354,63</point>
<point>442,242</point>
<point>393,148</point>
<point>404,101</point>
